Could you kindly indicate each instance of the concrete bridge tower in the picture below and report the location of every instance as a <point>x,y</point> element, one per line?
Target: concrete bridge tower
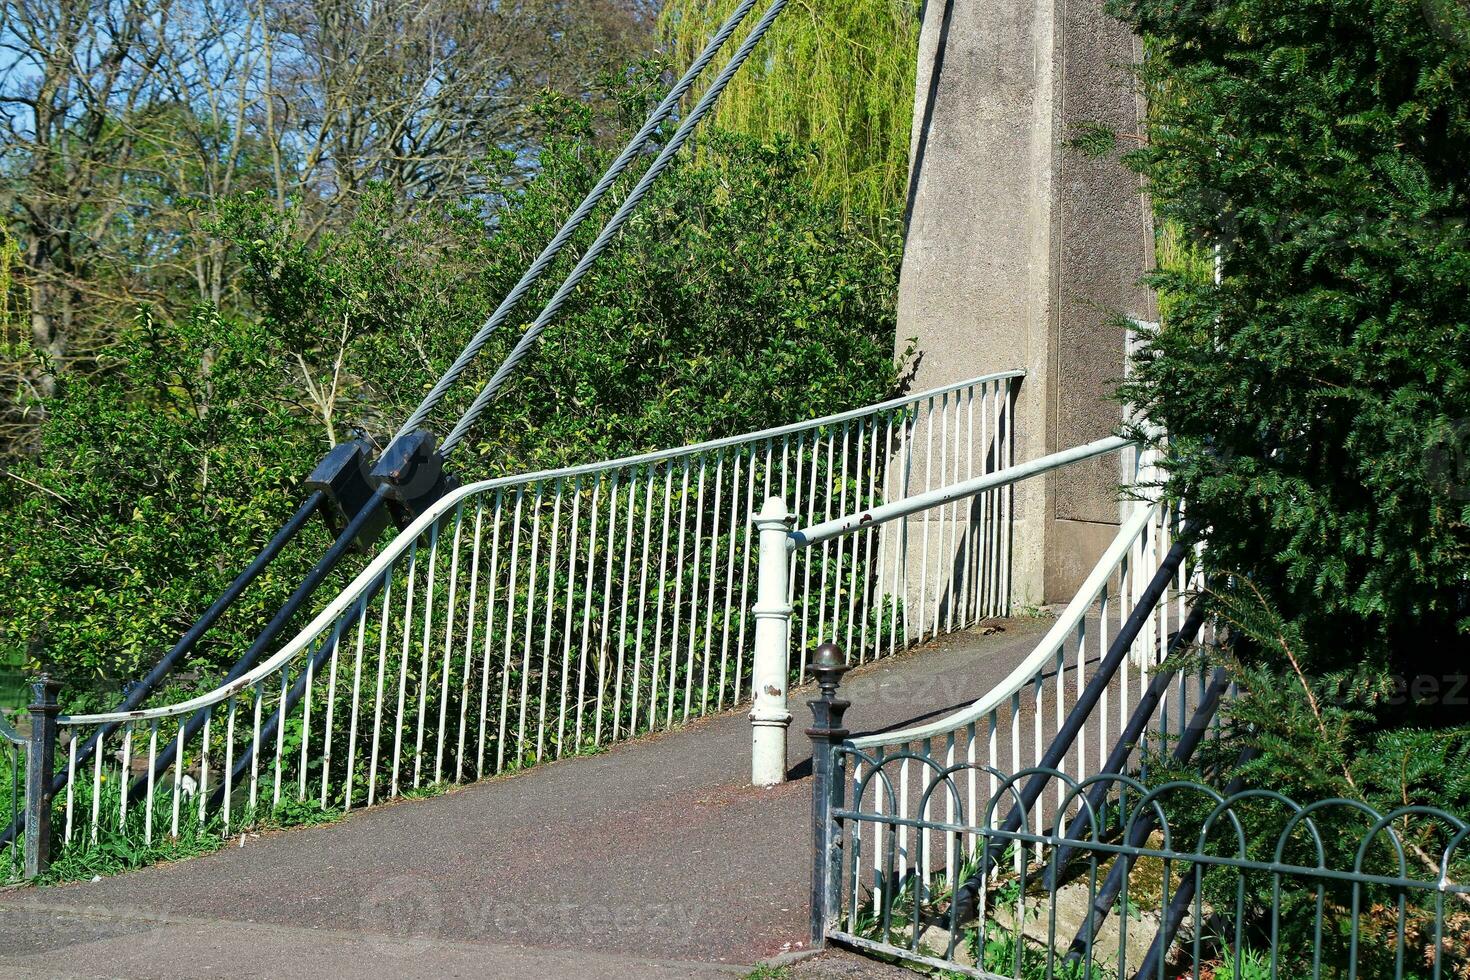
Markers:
<point>1021,252</point>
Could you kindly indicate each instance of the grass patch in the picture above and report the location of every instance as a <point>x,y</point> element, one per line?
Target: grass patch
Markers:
<point>119,850</point>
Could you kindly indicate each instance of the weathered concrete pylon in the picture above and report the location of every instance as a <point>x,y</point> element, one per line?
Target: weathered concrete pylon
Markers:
<point>1021,250</point>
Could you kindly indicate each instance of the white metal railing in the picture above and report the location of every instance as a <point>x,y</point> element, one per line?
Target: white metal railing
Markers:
<point>1134,547</point>
<point>529,617</point>
<point>1023,736</point>
<point>929,825</point>
<point>1009,729</point>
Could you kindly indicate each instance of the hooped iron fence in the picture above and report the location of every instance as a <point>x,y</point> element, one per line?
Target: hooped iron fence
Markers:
<point>13,747</point>
<point>1174,881</point>
<point>531,617</point>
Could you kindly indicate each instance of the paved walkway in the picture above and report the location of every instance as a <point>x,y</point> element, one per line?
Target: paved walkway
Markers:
<point>651,860</point>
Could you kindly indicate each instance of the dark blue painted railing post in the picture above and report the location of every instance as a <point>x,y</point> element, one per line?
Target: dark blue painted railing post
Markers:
<point>828,664</point>
<point>40,759</point>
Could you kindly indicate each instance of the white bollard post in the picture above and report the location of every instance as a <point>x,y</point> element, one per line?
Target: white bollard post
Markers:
<point>769,718</point>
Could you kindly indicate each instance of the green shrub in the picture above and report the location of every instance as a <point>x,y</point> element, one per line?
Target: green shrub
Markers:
<point>155,476</point>
<point>1316,399</point>
<point>736,299</point>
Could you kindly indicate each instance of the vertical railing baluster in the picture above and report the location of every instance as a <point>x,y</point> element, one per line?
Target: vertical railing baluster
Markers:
<point>383,631</point>
<point>408,592</point>
<point>892,547</point>
<point>623,618</point>
<point>510,618</point>
<point>837,575</point>
<point>972,541</point>
<point>422,680</point>
<point>203,793</point>
<point>252,812</point>
<point>857,495</point>
<point>796,497</point>
<point>487,655</point>
<point>71,777</point>
<point>546,623</point>
<point>925,518</point>
<point>679,588</point>
<point>450,608</point>
<point>711,584</point>
<point>125,777</point>
<point>738,522</point>
<point>281,734</point>
<point>770,447</point>
<point>179,762</point>
<point>871,577</point>
<point>529,624</point>
<point>1061,714</point>
<point>566,625</point>
<point>328,719</point>
<point>745,526</point>
<point>152,768</point>
<point>605,637</point>
<point>983,511</point>
<point>587,607</point>
<point>808,557</point>
<point>96,790</point>
<point>305,718</point>
<point>351,771</point>
<point>663,589</point>
<point>229,770</point>
<point>470,620</point>
<point>642,606</point>
<point>947,554</point>
<point>1007,496</point>
<point>694,590</point>
<point>827,544</point>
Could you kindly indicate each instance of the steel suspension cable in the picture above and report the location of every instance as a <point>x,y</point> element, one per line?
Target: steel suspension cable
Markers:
<point>625,159</point>
<point>611,229</point>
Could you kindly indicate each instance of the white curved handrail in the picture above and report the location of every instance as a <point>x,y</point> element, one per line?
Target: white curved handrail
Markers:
<point>1042,656</point>
<point>908,506</point>
<point>384,561</point>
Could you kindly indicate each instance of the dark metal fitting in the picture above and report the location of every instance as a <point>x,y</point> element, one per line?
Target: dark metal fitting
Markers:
<point>411,474</point>
<point>828,664</point>
<point>342,478</point>
<point>44,690</point>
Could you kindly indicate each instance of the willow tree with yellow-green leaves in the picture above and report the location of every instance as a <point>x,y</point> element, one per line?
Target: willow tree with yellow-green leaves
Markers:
<point>837,75</point>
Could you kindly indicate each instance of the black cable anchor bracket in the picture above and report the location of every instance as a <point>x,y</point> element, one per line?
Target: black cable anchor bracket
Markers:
<point>342,478</point>
<point>411,475</point>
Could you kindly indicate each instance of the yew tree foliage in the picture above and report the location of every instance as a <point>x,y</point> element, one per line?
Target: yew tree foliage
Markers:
<point>736,299</point>
<point>1317,400</point>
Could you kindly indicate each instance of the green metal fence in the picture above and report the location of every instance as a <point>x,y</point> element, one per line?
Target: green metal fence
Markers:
<point>1129,880</point>
<point>12,795</point>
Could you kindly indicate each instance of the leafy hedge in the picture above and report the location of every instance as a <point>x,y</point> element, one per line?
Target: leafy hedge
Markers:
<point>737,299</point>
<point>1317,400</point>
